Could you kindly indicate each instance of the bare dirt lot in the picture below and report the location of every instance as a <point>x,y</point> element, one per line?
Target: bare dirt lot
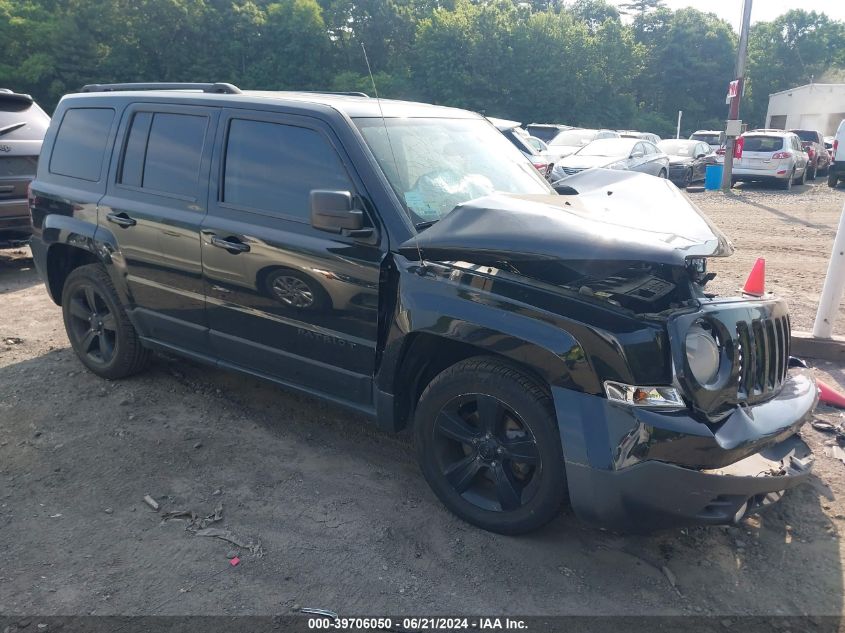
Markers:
<point>342,515</point>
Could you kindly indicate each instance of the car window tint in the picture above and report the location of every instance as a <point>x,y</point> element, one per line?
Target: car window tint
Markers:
<point>764,144</point>
<point>274,167</point>
<point>174,150</point>
<point>81,142</point>
<point>21,119</point>
<point>132,171</point>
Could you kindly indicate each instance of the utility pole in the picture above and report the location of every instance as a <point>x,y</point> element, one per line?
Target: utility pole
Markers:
<point>734,124</point>
<point>678,131</point>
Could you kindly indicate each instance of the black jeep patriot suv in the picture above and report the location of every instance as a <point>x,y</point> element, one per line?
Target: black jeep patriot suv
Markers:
<point>406,261</point>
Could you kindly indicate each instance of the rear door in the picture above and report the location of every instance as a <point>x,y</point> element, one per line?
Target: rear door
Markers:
<point>286,300</point>
<point>154,204</point>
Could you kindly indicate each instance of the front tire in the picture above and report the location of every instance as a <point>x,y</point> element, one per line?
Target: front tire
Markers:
<point>487,443</point>
<point>97,326</point>
<point>832,179</point>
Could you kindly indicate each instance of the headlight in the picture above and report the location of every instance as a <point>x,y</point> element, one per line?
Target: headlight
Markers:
<point>643,396</point>
<point>703,355</point>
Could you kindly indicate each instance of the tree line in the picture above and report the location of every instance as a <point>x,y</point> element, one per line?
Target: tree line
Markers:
<point>578,61</point>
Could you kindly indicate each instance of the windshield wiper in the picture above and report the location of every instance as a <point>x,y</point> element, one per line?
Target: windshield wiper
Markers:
<point>11,128</point>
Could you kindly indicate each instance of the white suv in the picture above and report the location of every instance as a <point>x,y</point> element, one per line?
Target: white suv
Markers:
<point>836,171</point>
<point>772,155</point>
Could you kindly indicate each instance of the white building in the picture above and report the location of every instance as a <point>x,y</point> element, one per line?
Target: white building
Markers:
<point>812,107</point>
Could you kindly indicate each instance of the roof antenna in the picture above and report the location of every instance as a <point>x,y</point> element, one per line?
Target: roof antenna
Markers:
<point>421,269</point>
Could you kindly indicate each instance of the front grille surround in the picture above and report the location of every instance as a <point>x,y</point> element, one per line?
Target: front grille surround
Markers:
<point>754,337</point>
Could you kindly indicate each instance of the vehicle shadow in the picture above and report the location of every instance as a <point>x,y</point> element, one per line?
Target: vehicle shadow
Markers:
<point>792,219</point>
<point>17,270</point>
<point>345,520</point>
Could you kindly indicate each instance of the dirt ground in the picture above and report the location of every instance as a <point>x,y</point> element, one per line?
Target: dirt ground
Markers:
<point>342,515</point>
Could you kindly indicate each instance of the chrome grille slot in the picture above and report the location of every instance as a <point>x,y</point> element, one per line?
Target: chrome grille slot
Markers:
<point>763,354</point>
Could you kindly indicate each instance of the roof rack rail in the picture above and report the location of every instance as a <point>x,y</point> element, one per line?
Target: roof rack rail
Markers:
<point>333,92</point>
<point>219,88</point>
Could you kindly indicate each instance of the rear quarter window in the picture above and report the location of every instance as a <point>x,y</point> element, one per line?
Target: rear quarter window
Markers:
<point>81,142</point>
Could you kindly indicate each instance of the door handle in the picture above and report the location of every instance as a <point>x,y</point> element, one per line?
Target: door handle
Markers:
<point>121,219</point>
<point>232,247</point>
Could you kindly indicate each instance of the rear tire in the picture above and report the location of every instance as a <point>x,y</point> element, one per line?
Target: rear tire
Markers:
<point>813,173</point>
<point>97,326</point>
<point>832,179</point>
<point>488,444</point>
<point>663,174</point>
<point>786,185</point>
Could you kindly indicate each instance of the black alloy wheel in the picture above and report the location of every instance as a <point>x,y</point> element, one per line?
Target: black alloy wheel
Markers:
<point>489,446</point>
<point>486,453</point>
<point>92,324</point>
<point>99,331</point>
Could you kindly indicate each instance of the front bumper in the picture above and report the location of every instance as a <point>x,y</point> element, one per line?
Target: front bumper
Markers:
<point>636,470</point>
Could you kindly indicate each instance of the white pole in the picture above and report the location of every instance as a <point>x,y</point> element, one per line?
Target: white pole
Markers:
<point>834,285</point>
<point>678,133</point>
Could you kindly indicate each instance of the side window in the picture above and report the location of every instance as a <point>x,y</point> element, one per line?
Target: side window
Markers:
<point>163,152</point>
<point>649,148</point>
<point>272,167</point>
<point>638,148</point>
<point>81,142</point>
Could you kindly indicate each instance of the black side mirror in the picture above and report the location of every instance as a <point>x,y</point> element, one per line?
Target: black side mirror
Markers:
<point>334,212</point>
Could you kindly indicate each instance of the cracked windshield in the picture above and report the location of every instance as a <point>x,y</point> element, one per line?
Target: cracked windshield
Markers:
<point>435,165</point>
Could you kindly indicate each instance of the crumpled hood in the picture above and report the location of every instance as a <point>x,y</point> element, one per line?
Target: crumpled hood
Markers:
<point>615,215</point>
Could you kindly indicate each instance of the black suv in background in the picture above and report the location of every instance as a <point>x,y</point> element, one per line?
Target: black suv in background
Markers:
<point>22,128</point>
<point>406,261</point>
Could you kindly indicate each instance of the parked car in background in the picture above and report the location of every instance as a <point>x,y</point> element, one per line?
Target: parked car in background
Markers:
<point>519,137</point>
<point>546,131</point>
<point>646,136</point>
<point>836,172</point>
<point>688,160</point>
<point>537,143</point>
<point>615,153</point>
<point>22,128</point>
<point>828,145</point>
<point>813,143</point>
<point>771,155</point>
<point>714,138</point>
<point>570,141</point>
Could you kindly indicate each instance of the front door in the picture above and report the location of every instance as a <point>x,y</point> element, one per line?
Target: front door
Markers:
<point>283,299</point>
<point>154,203</point>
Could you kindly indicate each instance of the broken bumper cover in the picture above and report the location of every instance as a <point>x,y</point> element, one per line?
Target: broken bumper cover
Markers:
<point>671,470</point>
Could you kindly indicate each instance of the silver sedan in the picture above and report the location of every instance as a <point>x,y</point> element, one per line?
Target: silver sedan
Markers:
<point>615,153</point>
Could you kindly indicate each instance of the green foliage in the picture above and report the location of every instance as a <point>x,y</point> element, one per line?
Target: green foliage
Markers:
<point>566,61</point>
<point>794,49</point>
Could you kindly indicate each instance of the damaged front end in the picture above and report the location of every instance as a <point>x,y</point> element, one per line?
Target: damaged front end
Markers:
<point>691,410</point>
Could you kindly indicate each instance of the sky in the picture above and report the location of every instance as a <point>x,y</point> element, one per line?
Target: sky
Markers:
<point>761,10</point>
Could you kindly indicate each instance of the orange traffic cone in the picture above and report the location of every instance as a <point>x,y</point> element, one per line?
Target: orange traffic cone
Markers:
<point>755,285</point>
<point>829,395</point>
